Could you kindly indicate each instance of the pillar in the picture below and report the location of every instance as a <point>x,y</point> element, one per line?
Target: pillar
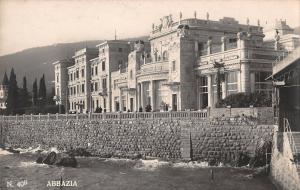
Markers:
<point>224,39</point>
<point>152,87</point>
<point>120,99</point>
<point>224,87</point>
<point>137,97</point>
<point>142,96</point>
<point>209,46</point>
<point>241,43</point>
<point>210,91</point>
<point>196,49</point>
<point>245,78</point>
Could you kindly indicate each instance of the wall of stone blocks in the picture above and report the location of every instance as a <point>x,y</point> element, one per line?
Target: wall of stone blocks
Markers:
<point>205,139</point>
<point>224,139</point>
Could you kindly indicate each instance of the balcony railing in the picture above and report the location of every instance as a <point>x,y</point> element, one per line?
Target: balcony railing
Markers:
<point>192,115</point>
<point>154,67</point>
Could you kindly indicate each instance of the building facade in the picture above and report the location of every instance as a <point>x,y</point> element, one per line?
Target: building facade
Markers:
<point>186,65</point>
<point>3,92</point>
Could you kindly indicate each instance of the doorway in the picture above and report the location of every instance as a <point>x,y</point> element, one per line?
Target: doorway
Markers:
<point>174,102</point>
<point>131,104</point>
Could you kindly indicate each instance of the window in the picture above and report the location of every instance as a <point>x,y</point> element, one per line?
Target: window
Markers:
<point>82,88</point>
<point>77,74</point>
<point>104,83</point>
<point>173,66</point>
<point>96,70</point>
<point>96,86</point>
<point>203,92</point>
<point>92,71</point>
<point>92,87</point>
<point>57,77</point>
<point>103,50</point>
<point>165,56</point>
<point>232,40</point>
<point>261,85</point>
<point>103,65</point>
<point>120,50</point>
<point>131,75</point>
<point>232,83</point>
<point>200,49</point>
<point>82,72</point>
<point>104,103</point>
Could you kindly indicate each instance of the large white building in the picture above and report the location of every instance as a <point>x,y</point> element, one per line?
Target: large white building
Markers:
<point>176,69</point>
<point>3,92</point>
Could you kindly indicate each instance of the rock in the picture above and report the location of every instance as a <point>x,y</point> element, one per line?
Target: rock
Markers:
<point>12,150</point>
<point>69,161</point>
<point>137,157</point>
<point>50,159</point>
<point>40,159</point>
<point>242,160</point>
<point>79,152</point>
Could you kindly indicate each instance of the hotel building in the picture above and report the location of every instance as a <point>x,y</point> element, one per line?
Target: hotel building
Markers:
<point>177,69</point>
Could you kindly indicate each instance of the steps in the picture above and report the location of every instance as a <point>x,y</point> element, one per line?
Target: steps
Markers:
<point>296,137</point>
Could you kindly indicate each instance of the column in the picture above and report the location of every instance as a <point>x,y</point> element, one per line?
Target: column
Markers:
<point>209,46</point>
<point>224,86</point>
<point>241,43</point>
<point>137,97</point>
<point>223,39</point>
<point>120,99</point>
<point>196,49</point>
<point>152,87</point>
<point>210,91</point>
<point>142,97</point>
<point>245,78</point>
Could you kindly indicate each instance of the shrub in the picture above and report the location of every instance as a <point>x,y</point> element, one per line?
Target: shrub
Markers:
<point>98,110</point>
<point>242,100</point>
<point>148,108</point>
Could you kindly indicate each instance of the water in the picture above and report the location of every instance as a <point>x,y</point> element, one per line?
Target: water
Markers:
<point>122,174</point>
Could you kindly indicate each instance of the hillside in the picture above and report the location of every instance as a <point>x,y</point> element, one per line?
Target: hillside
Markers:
<point>33,62</point>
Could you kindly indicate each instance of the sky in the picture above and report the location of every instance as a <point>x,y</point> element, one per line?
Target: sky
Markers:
<point>33,23</point>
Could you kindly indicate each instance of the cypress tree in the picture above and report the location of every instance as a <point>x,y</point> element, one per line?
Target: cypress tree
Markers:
<point>12,98</point>
<point>5,80</point>
<point>42,91</point>
<point>34,93</point>
<point>24,95</point>
<point>24,83</point>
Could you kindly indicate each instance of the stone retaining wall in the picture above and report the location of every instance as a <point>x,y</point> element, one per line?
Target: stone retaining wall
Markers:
<point>167,139</point>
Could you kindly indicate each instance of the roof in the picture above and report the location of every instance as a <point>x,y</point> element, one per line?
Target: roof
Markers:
<point>290,59</point>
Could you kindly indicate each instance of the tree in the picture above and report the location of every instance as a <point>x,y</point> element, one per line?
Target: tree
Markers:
<point>242,100</point>
<point>5,80</point>
<point>24,95</point>
<point>42,91</point>
<point>12,97</point>
<point>34,93</point>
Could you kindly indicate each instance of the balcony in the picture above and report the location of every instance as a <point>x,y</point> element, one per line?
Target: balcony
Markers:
<point>103,92</point>
<point>154,67</point>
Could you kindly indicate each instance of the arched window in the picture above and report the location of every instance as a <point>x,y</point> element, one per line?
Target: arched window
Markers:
<point>165,56</point>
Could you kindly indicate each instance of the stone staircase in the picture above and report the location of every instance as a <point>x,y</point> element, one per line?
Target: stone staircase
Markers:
<point>296,152</point>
